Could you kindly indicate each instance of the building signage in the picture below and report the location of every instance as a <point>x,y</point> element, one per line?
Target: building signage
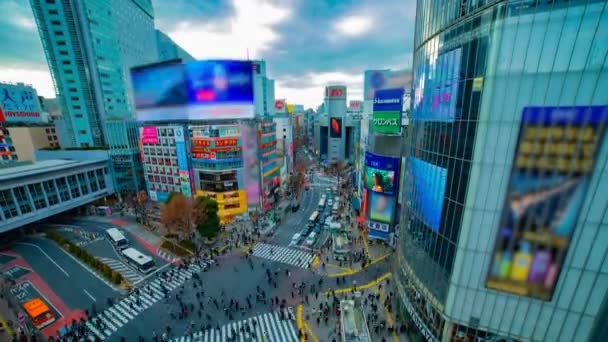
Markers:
<point>184,180</point>
<point>382,227</point>
<point>226,142</point>
<point>336,92</point>
<point>554,159</point>
<point>202,142</point>
<point>388,105</point>
<point>19,102</point>
<point>229,131</point>
<point>149,135</point>
<point>280,106</point>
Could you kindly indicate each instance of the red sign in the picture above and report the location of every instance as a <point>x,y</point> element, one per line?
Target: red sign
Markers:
<point>203,143</point>
<point>334,92</point>
<point>226,142</point>
<point>2,119</point>
<point>279,104</point>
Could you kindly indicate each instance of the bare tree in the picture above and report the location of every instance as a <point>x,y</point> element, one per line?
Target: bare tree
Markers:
<point>141,204</point>
<point>176,215</point>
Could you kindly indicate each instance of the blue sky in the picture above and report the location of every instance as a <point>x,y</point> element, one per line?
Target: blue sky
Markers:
<point>306,43</point>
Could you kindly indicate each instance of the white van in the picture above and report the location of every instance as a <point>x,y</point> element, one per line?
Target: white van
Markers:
<point>310,240</point>
<point>117,238</point>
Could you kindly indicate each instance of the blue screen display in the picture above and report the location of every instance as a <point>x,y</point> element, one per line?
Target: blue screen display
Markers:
<point>160,86</point>
<point>427,186</point>
<point>436,88</point>
<point>220,82</point>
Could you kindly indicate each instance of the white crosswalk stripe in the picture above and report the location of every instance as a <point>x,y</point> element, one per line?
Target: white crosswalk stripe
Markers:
<point>267,327</point>
<point>283,255</point>
<point>128,308</point>
<point>123,269</point>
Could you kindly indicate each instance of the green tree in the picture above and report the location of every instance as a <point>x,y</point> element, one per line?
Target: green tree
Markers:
<point>206,219</point>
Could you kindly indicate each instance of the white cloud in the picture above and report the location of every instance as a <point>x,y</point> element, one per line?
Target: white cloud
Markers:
<point>25,23</point>
<point>312,95</point>
<point>40,79</point>
<point>354,25</point>
<point>250,28</point>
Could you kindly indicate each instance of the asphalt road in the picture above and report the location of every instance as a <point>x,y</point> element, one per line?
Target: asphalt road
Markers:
<point>75,285</point>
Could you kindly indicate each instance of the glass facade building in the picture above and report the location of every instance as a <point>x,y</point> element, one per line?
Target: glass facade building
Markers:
<point>477,65</point>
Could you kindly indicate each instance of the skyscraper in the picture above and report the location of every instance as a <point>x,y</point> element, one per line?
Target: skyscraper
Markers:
<point>503,235</point>
<point>90,47</point>
<point>168,49</point>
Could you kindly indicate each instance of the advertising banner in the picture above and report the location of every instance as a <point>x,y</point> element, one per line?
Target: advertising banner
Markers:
<point>251,163</point>
<point>335,129</point>
<point>381,207</point>
<point>554,158</point>
<point>378,230</point>
<point>375,80</point>
<point>149,135</point>
<point>387,109</point>
<point>427,183</point>
<point>184,180</point>
<point>19,103</point>
<point>380,173</point>
<point>436,88</point>
<point>199,90</point>
<point>335,92</point>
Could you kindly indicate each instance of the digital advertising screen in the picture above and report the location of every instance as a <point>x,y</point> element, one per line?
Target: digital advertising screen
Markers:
<point>427,183</point>
<point>251,164</point>
<point>436,88</point>
<point>335,128</point>
<point>198,90</point>
<point>380,172</point>
<point>381,207</point>
<point>555,155</point>
<point>149,135</point>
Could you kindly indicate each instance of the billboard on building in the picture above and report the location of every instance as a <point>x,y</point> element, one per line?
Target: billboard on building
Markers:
<point>384,79</point>
<point>426,186</point>
<point>555,155</point>
<point>182,160</point>
<point>380,173</point>
<point>436,88</point>
<point>335,129</point>
<point>251,163</point>
<point>19,103</point>
<point>335,92</point>
<point>387,109</point>
<point>149,135</point>
<point>199,90</point>
<point>280,106</point>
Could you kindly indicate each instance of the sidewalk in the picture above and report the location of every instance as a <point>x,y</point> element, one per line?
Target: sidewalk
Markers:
<point>7,319</point>
<point>320,319</point>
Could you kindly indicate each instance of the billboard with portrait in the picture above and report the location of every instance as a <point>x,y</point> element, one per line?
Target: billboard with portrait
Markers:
<point>436,88</point>
<point>554,158</point>
<point>381,207</point>
<point>335,128</point>
<point>380,173</point>
<point>427,184</point>
<point>198,90</point>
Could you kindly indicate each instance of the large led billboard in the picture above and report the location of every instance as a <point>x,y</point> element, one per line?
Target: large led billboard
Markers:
<point>375,80</point>
<point>251,163</point>
<point>427,183</point>
<point>335,128</point>
<point>199,90</point>
<point>436,88</point>
<point>380,172</point>
<point>555,155</point>
<point>381,207</point>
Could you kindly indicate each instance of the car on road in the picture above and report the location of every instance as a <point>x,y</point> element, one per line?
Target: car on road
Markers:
<point>310,240</point>
<point>39,312</point>
<point>142,262</point>
<point>296,239</point>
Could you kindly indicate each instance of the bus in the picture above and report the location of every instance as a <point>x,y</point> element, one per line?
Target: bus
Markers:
<point>117,238</point>
<point>334,209</point>
<point>39,312</point>
<point>321,203</point>
<point>142,262</point>
<point>313,218</point>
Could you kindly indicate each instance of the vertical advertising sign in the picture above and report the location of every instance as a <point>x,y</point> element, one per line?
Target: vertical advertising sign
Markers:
<point>554,158</point>
<point>380,179</point>
<point>182,161</point>
<point>335,129</point>
<point>388,107</point>
<point>251,163</point>
<point>149,135</point>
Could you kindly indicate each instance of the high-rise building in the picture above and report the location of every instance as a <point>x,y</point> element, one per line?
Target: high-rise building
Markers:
<point>169,50</point>
<point>90,47</point>
<point>503,235</point>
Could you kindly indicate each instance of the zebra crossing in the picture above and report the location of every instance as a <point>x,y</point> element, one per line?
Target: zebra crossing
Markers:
<point>268,327</point>
<point>119,314</point>
<point>123,269</point>
<point>283,255</point>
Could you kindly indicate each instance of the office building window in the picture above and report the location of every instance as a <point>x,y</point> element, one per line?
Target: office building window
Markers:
<point>7,204</point>
<point>82,132</point>
<point>22,200</point>
<point>58,33</point>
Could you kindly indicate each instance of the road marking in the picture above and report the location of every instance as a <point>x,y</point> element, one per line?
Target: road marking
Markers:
<point>43,252</point>
<point>88,294</point>
<point>153,273</point>
<point>89,270</point>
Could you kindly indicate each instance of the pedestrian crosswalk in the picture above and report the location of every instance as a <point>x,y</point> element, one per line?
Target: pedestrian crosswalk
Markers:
<point>283,255</point>
<point>106,323</point>
<point>268,327</point>
<point>166,255</point>
<point>123,269</point>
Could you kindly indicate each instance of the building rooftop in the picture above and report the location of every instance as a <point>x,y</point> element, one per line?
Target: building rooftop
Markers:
<point>19,171</point>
